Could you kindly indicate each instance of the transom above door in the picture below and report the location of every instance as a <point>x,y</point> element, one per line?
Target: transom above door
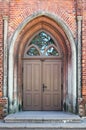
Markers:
<point>42,45</point>
<point>42,71</point>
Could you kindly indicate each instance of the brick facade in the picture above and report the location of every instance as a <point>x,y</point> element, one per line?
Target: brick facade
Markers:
<point>1,52</point>
<point>84,50</point>
<point>18,10</point>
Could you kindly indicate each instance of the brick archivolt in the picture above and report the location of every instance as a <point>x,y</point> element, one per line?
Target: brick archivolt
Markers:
<point>38,24</point>
<point>26,30</point>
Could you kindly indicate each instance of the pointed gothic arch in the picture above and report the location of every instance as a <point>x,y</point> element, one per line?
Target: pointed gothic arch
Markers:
<point>61,33</point>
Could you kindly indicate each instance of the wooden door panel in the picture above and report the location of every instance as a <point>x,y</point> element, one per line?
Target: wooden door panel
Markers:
<point>47,76</point>
<point>28,77</point>
<point>56,77</point>
<point>52,79</point>
<point>35,74</point>
<point>47,102</point>
<point>36,100</point>
<point>36,77</point>
<point>28,97</point>
<point>56,101</point>
<point>32,83</point>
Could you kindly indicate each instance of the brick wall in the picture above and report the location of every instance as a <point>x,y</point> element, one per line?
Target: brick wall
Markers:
<point>84,51</point>
<point>1,50</point>
<point>1,57</point>
<point>18,10</point>
<point>3,12</point>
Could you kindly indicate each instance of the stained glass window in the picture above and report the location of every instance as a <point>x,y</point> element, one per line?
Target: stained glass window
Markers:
<point>33,52</point>
<point>51,52</point>
<point>40,46</point>
<point>42,40</point>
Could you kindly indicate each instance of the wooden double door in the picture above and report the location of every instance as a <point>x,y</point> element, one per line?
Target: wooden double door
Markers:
<point>41,85</point>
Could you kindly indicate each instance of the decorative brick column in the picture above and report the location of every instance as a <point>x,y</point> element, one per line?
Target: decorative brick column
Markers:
<point>79,20</point>
<point>5,90</point>
<point>5,19</point>
<point>81,105</point>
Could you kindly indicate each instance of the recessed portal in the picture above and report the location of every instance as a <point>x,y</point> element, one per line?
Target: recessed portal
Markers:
<point>57,49</point>
<point>42,74</point>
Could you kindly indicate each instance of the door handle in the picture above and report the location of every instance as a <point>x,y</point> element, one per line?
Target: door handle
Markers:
<point>44,87</point>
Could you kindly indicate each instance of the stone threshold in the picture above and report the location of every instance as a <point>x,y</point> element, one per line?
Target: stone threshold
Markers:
<point>79,126</point>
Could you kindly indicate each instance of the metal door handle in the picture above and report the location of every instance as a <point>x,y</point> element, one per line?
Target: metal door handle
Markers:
<point>44,87</point>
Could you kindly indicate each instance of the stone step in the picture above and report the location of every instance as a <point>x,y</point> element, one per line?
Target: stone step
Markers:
<point>42,117</point>
<point>42,120</point>
<point>43,126</point>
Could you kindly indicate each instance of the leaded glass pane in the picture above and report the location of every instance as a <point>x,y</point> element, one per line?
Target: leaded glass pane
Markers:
<point>42,40</point>
<point>51,52</point>
<point>33,52</point>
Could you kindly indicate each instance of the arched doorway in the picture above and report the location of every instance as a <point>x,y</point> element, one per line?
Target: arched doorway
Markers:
<point>61,34</point>
<point>42,74</point>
